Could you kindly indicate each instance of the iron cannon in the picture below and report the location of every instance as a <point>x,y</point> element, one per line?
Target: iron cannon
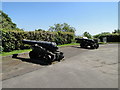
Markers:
<point>87,43</point>
<point>45,51</point>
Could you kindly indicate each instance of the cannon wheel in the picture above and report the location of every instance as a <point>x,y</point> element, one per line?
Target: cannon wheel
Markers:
<point>32,55</point>
<point>47,58</point>
<point>59,56</point>
<point>82,45</point>
<point>94,46</point>
<point>97,45</point>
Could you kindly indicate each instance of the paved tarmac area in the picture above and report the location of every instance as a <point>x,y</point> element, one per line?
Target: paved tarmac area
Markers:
<point>82,68</point>
<point>12,67</point>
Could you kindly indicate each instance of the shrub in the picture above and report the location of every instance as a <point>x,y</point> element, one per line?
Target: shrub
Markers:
<point>111,37</point>
<point>12,40</point>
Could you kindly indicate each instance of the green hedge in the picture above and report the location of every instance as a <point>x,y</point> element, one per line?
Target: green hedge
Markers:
<point>12,40</point>
<point>111,38</point>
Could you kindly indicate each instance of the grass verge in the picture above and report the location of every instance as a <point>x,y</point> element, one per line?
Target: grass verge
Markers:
<point>102,43</point>
<point>68,44</point>
<point>14,52</point>
<point>109,43</point>
<point>27,50</point>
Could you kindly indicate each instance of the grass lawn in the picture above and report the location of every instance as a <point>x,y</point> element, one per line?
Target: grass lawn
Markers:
<point>14,52</point>
<point>69,44</point>
<point>27,50</point>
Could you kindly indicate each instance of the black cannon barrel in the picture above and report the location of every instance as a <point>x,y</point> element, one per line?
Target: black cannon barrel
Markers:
<point>79,40</point>
<point>51,46</point>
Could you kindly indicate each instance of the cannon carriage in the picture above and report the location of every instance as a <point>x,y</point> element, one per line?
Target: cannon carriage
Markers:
<point>87,43</point>
<point>44,51</point>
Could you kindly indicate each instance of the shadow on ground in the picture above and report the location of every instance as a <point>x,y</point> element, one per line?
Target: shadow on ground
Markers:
<point>35,61</point>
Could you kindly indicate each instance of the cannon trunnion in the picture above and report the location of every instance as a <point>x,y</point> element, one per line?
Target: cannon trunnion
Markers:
<point>44,51</point>
<point>88,43</point>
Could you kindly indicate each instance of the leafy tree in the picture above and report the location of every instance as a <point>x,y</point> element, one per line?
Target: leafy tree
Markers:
<point>87,34</point>
<point>62,27</point>
<point>6,23</point>
<point>39,30</point>
<point>116,31</point>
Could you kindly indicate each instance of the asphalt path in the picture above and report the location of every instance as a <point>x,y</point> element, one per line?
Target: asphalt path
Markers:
<point>82,68</point>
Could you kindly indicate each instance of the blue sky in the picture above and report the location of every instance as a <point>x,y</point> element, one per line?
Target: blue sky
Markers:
<point>93,17</point>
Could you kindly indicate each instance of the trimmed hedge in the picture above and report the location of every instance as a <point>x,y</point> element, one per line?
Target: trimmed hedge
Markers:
<point>111,38</point>
<point>12,40</point>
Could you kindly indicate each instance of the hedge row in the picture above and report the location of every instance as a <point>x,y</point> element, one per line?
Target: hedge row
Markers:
<point>12,40</point>
<point>111,38</point>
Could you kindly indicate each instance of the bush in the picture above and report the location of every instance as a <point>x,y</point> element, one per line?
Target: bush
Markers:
<point>12,40</point>
<point>111,38</point>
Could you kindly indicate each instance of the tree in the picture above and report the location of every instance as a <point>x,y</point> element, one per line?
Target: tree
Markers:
<point>61,27</point>
<point>87,34</point>
<point>6,23</point>
<point>116,31</point>
<point>39,30</point>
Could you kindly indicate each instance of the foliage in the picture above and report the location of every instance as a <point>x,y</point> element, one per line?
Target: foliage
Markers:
<point>78,36</point>
<point>6,23</point>
<point>111,37</point>
<point>12,40</point>
<point>87,34</point>
<point>116,31</point>
<point>101,34</point>
<point>12,36</point>
<point>39,30</point>
<point>62,27</point>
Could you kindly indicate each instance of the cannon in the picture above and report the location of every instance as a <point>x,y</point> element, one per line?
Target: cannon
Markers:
<point>87,43</point>
<point>44,51</point>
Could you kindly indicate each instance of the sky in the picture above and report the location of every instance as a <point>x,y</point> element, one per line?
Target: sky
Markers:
<point>93,17</point>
